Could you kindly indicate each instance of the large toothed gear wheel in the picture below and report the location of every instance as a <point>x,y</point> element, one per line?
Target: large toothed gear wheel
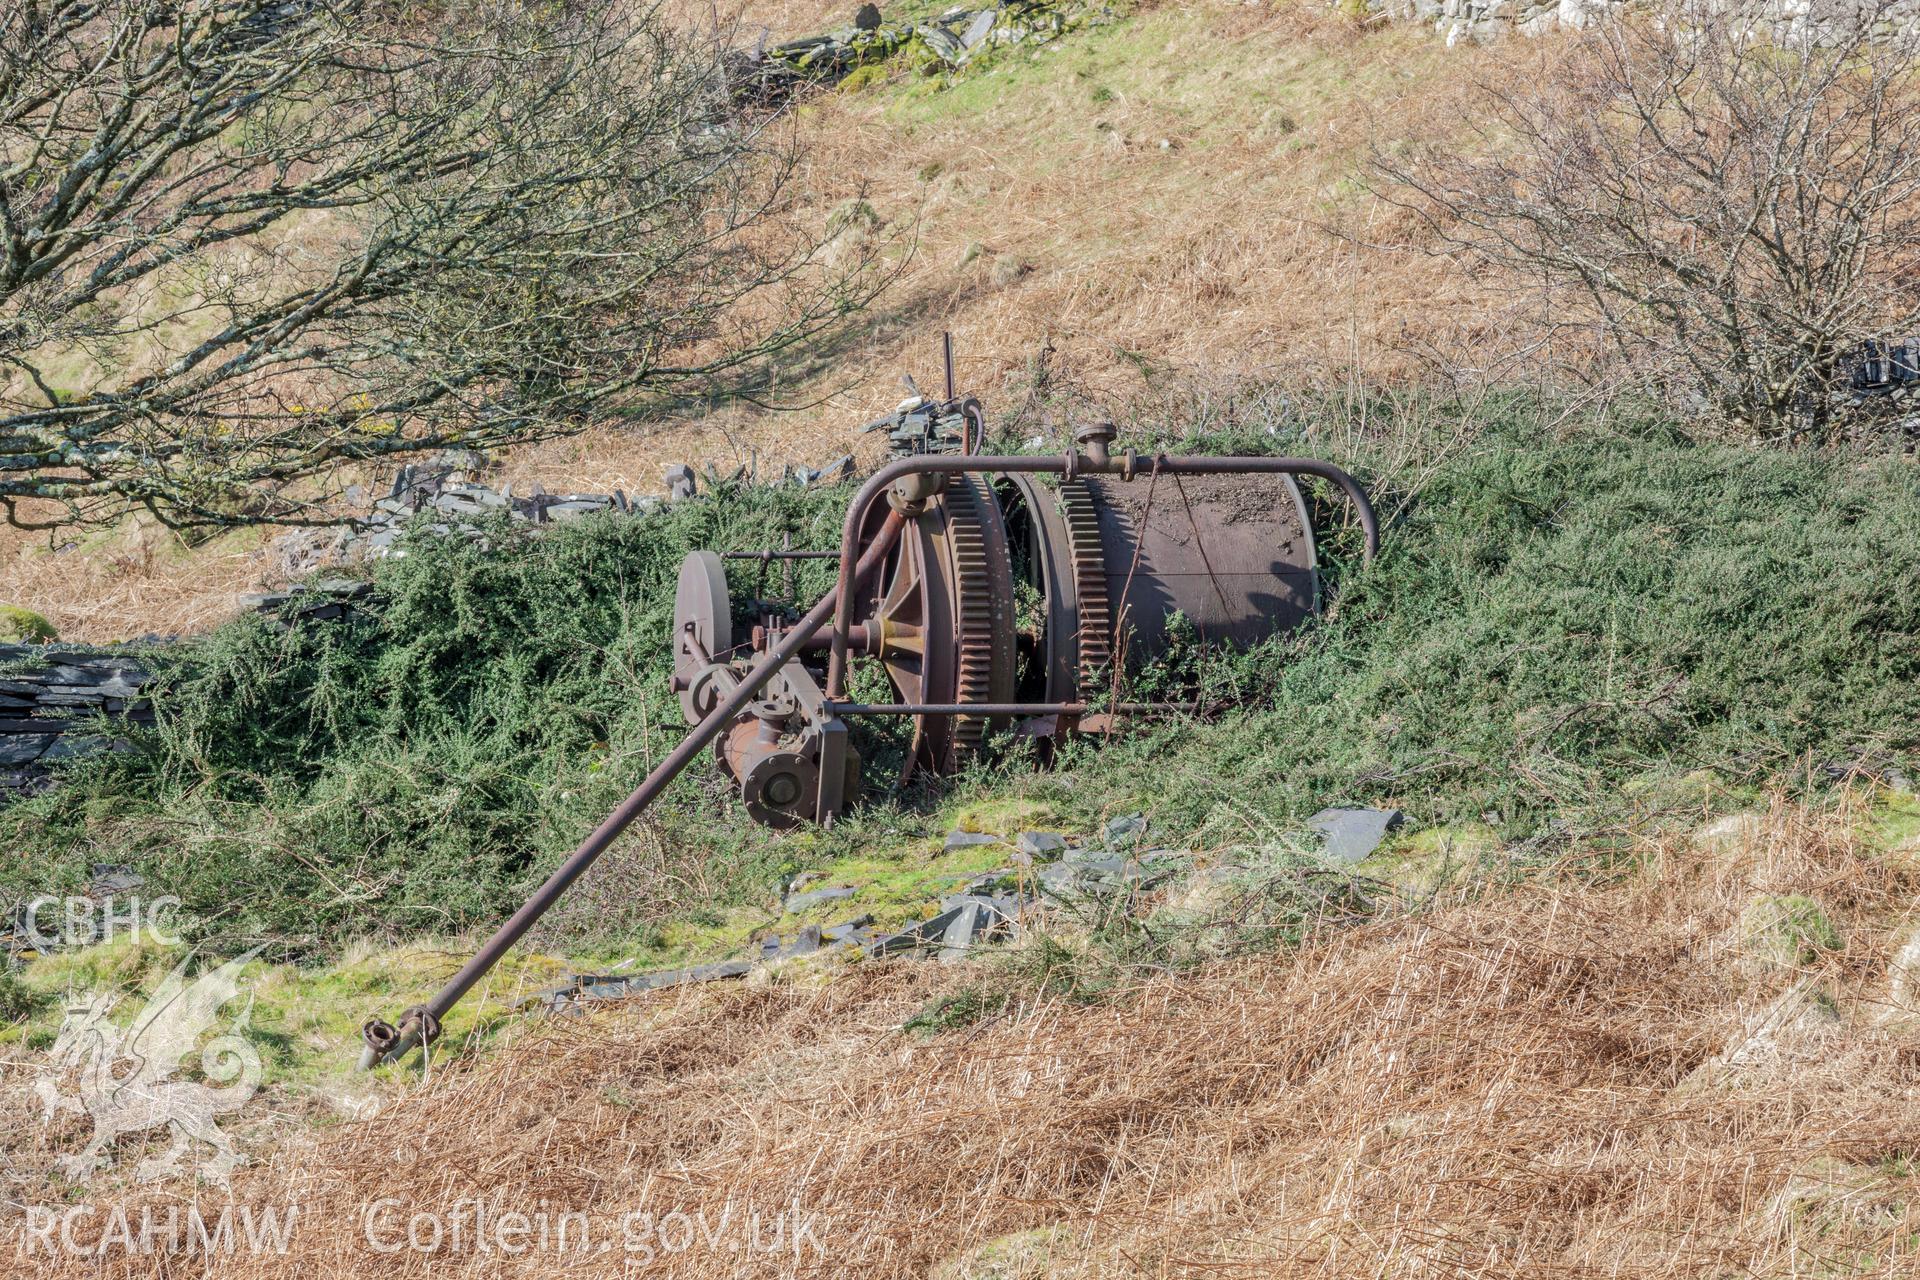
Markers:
<point>945,619</point>
<point>1090,585</point>
<point>983,608</point>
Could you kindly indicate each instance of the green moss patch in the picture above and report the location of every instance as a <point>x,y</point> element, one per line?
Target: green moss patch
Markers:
<point>24,626</point>
<point>1788,930</point>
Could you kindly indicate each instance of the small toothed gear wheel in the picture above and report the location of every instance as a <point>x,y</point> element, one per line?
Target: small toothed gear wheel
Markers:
<point>1090,582</point>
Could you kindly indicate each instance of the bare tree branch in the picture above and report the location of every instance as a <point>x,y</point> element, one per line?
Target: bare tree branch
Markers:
<point>244,240</point>
<point>1730,206</point>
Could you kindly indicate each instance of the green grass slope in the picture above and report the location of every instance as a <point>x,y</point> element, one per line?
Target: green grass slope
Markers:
<point>1558,625</point>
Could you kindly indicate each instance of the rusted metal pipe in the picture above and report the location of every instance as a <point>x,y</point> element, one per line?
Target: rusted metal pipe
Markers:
<point>385,1043</point>
<point>1071,463</point>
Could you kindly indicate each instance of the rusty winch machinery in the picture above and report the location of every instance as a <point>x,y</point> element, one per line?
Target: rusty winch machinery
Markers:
<point>1006,595</point>
<point>996,594</point>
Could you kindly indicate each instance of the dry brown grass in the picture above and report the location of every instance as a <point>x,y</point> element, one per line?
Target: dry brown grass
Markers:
<point>1527,1085</point>
<point>1179,192</point>
<point>135,579</point>
<point>1045,218</point>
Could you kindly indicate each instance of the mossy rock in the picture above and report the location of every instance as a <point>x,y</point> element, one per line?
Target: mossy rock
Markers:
<point>24,626</point>
<point>1427,861</point>
<point>853,217</point>
<point>1788,930</point>
<point>865,77</point>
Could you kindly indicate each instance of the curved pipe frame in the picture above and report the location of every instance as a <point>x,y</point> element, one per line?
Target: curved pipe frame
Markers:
<point>1069,465</point>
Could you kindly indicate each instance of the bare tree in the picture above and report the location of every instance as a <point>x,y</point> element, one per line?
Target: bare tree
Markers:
<point>242,241</point>
<point>1732,206</point>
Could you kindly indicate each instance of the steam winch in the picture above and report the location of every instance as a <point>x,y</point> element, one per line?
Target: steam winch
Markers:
<point>994,592</point>
<point>1007,599</point>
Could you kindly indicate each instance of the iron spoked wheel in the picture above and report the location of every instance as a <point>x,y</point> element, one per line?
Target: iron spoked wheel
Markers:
<point>913,617</point>
<point>945,620</point>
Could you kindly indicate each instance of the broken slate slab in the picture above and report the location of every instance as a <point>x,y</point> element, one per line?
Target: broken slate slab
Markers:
<point>619,986</point>
<point>959,934</point>
<point>958,840</point>
<point>803,943</point>
<point>965,920</point>
<point>572,509</point>
<point>1058,877</point>
<point>854,931</point>
<point>819,897</point>
<point>1349,835</point>
<point>698,973</point>
<point>24,747</point>
<point>841,468</point>
<point>1124,831</point>
<point>987,888</point>
<point>1040,845</point>
<point>817,938</point>
<point>680,482</point>
<point>1084,855</point>
<point>71,746</point>
<point>915,936</point>
<point>941,42</point>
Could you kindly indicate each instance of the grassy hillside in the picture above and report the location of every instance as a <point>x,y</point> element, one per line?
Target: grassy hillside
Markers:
<point>1583,1078</point>
<point>1635,992</point>
<point>1558,628</point>
<point>1032,209</point>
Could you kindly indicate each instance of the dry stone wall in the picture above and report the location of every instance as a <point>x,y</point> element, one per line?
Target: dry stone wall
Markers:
<point>1486,20</point>
<point>446,497</point>
<point>1483,20</point>
<point>51,699</point>
<point>875,38</point>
